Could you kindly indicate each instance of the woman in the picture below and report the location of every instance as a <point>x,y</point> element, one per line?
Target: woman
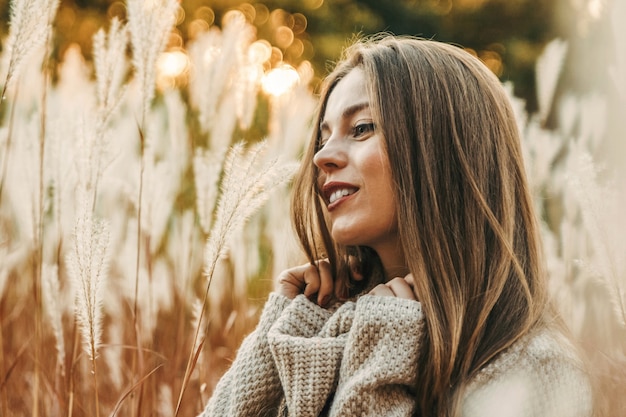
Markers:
<point>426,291</point>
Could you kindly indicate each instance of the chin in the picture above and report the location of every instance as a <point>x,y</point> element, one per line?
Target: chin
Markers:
<point>346,240</point>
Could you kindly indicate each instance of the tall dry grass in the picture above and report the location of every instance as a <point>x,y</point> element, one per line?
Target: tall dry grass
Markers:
<point>137,186</point>
<point>580,194</point>
<point>139,234</point>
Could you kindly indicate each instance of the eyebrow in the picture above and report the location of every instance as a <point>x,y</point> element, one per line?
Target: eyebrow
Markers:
<point>348,112</point>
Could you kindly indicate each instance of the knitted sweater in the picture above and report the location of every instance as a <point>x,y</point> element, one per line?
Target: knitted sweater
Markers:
<point>361,360</point>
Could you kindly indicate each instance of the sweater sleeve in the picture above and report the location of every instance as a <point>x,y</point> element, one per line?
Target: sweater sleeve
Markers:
<point>379,367</point>
<point>307,342</point>
<point>539,379</point>
<point>251,386</point>
<point>363,356</point>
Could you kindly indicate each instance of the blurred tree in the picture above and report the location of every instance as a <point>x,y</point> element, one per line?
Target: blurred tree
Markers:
<point>507,35</point>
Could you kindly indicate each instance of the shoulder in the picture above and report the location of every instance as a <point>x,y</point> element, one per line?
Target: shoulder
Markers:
<point>540,375</point>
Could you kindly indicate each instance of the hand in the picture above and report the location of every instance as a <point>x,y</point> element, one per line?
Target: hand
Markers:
<point>308,280</point>
<point>397,287</point>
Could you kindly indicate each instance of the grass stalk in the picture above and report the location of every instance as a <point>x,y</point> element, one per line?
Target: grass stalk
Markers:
<point>140,197</point>
<point>70,400</point>
<point>195,351</point>
<point>138,354</point>
<point>245,187</point>
<point>132,388</point>
<point>138,367</point>
<point>3,392</point>
<point>7,145</point>
<point>39,230</point>
<point>94,368</point>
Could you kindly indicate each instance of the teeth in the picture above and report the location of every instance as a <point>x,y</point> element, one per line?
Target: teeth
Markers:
<point>336,195</point>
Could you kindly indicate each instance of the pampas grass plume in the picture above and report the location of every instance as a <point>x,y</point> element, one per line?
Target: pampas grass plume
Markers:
<point>548,69</point>
<point>600,210</point>
<point>245,187</point>
<point>149,23</point>
<point>88,267</point>
<point>30,24</point>
<point>217,60</point>
<point>109,56</point>
<point>246,184</point>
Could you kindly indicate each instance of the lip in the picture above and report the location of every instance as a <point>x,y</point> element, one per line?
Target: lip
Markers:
<point>330,187</point>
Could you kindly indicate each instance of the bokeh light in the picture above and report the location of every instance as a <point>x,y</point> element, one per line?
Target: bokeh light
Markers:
<point>594,7</point>
<point>299,23</point>
<point>276,57</point>
<point>197,27</point>
<point>284,36</point>
<point>313,4</point>
<point>262,14</point>
<point>180,15</point>
<point>231,16</point>
<point>280,80</point>
<point>117,9</point>
<point>205,13</point>
<point>172,68</point>
<point>492,60</point>
<point>259,52</point>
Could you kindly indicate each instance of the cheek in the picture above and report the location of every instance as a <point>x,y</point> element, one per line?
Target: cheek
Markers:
<point>386,210</point>
<point>378,171</point>
<point>381,208</point>
<point>385,201</point>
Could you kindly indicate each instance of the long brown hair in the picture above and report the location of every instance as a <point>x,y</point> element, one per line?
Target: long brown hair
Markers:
<point>465,216</point>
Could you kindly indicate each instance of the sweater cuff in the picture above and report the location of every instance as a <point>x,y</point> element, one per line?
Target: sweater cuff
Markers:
<point>303,318</point>
<point>390,308</point>
<point>272,310</point>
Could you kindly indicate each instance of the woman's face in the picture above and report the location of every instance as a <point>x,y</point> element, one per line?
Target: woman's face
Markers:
<point>355,176</point>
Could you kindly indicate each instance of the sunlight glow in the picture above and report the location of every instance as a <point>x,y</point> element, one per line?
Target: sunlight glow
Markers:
<point>594,7</point>
<point>259,52</point>
<point>171,66</point>
<point>280,80</point>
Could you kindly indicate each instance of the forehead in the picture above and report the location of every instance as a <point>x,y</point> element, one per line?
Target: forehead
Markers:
<point>349,91</point>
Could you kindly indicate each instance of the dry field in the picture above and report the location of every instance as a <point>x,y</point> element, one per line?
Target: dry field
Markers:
<point>144,211</point>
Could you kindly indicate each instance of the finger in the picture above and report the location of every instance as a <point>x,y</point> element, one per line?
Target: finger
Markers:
<point>292,281</point>
<point>411,281</point>
<point>293,276</point>
<point>401,288</point>
<point>289,279</point>
<point>382,290</point>
<point>326,283</point>
<point>311,280</point>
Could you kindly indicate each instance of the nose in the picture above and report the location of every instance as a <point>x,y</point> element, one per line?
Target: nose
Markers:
<point>332,156</point>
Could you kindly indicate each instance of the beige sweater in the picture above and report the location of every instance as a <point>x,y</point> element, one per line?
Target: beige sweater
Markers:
<point>361,359</point>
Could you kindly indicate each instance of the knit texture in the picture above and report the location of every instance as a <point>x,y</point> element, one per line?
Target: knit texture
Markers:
<point>538,376</point>
<point>360,359</point>
<point>251,386</point>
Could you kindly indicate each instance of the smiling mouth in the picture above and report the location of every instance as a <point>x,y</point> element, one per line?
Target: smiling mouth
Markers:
<point>342,192</point>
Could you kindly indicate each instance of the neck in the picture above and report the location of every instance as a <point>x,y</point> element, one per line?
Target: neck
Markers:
<point>394,271</point>
<point>392,259</point>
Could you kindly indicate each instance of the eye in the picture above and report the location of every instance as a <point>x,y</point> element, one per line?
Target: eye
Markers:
<point>362,129</point>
